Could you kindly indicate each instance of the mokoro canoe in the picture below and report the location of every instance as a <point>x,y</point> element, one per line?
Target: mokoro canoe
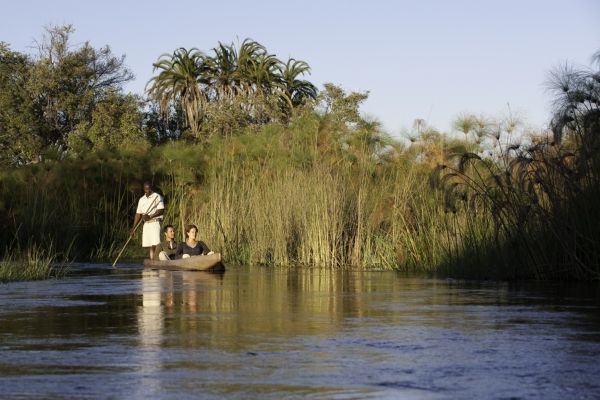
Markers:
<point>197,263</point>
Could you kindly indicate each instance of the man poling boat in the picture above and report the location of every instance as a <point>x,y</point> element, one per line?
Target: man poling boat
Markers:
<point>153,211</point>
<point>150,209</point>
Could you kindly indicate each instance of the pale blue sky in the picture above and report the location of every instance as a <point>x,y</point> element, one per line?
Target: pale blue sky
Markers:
<point>419,59</point>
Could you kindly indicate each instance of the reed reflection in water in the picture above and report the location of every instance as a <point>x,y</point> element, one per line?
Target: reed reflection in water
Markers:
<point>276,333</point>
<point>357,334</point>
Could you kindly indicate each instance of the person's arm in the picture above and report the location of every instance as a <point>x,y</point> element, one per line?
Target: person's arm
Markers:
<point>158,213</point>
<point>138,216</point>
<point>136,220</point>
<point>179,251</point>
<point>205,249</point>
<point>157,250</point>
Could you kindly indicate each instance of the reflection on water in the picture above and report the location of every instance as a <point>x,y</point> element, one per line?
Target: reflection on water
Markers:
<point>271,333</point>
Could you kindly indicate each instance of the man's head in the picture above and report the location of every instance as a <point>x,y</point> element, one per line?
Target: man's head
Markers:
<point>169,232</point>
<point>147,188</point>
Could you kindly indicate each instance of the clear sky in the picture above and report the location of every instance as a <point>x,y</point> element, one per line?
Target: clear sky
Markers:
<point>418,59</point>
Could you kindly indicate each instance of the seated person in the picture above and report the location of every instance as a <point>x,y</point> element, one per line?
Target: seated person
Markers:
<point>166,249</point>
<point>192,247</point>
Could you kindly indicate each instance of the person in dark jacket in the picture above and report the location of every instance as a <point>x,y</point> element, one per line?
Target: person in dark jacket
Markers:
<point>167,249</point>
<point>192,247</point>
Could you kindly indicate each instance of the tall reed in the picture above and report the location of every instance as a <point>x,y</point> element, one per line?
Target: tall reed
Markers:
<point>310,193</point>
<point>262,203</point>
<point>532,213</point>
<point>36,262</point>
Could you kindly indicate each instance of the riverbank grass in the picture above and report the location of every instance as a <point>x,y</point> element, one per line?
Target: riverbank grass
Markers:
<point>33,263</point>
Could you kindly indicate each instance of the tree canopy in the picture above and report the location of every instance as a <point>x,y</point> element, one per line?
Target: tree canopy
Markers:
<point>49,96</point>
<point>229,88</point>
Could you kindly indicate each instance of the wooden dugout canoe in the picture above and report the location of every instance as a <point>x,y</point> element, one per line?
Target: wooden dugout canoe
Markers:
<point>196,263</point>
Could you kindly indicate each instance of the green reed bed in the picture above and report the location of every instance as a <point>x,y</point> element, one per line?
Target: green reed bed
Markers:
<point>285,175</point>
<point>309,194</point>
<point>532,214</point>
<point>33,263</point>
<point>271,199</point>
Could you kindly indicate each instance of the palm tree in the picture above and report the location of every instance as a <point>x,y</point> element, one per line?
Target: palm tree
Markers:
<point>246,82</point>
<point>243,78</point>
<point>181,79</point>
<point>233,72</point>
<point>263,74</point>
<point>296,91</point>
<point>248,61</point>
<point>221,70</point>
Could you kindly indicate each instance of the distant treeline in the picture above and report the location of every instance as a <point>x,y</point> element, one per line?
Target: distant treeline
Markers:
<point>274,171</point>
<point>69,98</point>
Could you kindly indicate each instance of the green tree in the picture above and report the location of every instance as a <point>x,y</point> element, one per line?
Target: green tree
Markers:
<point>181,80</point>
<point>67,81</point>
<point>159,126</point>
<point>116,122</point>
<point>296,91</point>
<point>20,142</point>
<point>232,87</point>
<point>339,106</point>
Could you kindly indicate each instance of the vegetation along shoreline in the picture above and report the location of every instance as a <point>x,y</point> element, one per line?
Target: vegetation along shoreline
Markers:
<point>275,171</point>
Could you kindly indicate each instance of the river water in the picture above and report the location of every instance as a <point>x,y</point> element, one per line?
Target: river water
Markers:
<point>269,333</point>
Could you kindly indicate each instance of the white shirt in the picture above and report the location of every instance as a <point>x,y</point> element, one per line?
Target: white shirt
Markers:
<point>148,205</point>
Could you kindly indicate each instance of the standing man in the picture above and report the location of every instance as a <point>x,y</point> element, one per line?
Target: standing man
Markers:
<point>150,209</point>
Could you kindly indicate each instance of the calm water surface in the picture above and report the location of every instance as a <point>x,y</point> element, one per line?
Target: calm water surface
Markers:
<point>271,334</point>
